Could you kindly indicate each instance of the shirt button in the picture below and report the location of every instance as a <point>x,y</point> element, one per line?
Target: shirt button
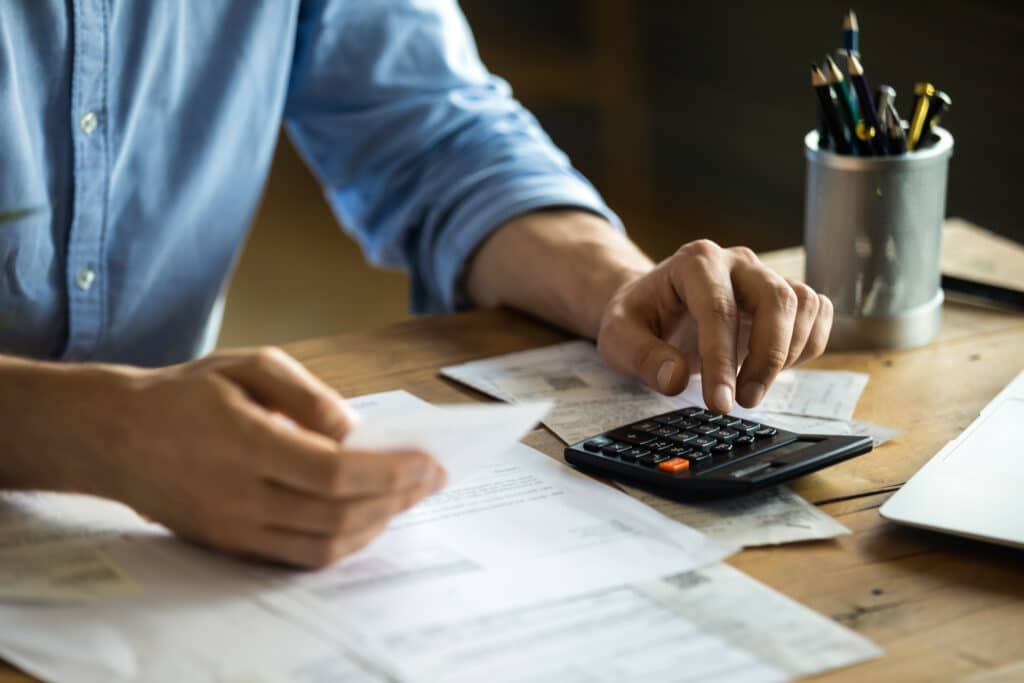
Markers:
<point>88,122</point>
<point>85,278</point>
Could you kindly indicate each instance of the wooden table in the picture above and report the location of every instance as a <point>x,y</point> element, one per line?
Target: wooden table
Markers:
<point>942,608</point>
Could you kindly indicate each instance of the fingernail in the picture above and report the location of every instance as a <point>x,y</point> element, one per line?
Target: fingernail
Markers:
<point>723,398</point>
<point>665,373</point>
<point>752,393</point>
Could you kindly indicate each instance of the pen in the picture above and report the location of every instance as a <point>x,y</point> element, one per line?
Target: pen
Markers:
<point>924,92</point>
<point>851,33</point>
<point>829,111</point>
<point>883,95</point>
<point>867,106</point>
<point>847,110</point>
<point>993,294</point>
<point>894,130</point>
<point>936,108</point>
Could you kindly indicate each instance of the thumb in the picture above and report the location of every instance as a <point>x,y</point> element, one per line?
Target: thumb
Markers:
<point>631,347</point>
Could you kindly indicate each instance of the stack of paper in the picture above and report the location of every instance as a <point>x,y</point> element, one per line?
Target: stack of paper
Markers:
<point>590,398</point>
<point>523,570</point>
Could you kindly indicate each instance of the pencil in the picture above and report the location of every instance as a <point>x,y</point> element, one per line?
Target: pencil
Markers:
<point>867,105</point>
<point>851,33</point>
<point>847,110</point>
<point>828,110</point>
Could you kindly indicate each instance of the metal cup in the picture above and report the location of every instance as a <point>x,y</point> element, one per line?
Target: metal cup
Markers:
<point>873,237</point>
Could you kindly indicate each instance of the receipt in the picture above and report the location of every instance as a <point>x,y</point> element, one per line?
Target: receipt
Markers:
<point>830,394</point>
<point>462,438</point>
<point>766,517</point>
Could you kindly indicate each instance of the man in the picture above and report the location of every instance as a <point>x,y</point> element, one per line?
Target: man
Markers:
<point>137,138</point>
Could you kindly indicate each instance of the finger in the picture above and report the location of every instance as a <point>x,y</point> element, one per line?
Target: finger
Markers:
<point>808,305</point>
<point>700,276</point>
<point>279,382</point>
<point>773,305</point>
<point>629,345</point>
<point>313,463</point>
<point>817,341</point>
<point>286,509</point>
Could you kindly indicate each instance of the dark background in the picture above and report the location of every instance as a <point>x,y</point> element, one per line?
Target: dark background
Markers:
<point>690,119</point>
<point>690,116</point>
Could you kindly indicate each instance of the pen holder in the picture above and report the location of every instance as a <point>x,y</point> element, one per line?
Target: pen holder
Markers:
<point>873,237</point>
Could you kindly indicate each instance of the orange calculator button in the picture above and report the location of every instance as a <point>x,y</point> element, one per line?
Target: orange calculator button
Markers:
<point>674,465</point>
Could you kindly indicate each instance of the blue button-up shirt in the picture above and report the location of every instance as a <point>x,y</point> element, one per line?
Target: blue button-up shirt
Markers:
<point>136,137</point>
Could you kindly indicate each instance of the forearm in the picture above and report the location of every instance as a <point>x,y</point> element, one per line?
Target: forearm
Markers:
<point>53,429</point>
<point>560,265</point>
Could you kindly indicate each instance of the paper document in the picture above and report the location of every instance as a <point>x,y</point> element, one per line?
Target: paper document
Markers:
<point>463,438</point>
<point>743,611</point>
<point>192,615</point>
<point>522,531</point>
<point>711,624</point>
<point>765,517</point>
<point>590,398</point>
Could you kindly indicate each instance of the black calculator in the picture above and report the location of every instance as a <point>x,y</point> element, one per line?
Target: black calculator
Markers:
<point>695,453</point>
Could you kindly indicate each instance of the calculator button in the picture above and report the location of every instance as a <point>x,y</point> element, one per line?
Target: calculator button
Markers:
<point>765,432</point>
<point>665,431</point>
<point>721,448</point>
<point>689,424</point>
<point>660,445</point>
<point>597,443</point>
<point>746,426</point>
<point>692,412</point>
<point>705,430</point>
<point>645,426</point>
<point>671,419</point>
<point>726,434</point>
<point>684,437</point>
<point>616,448</point>
<point>633,454</point>
<point>743,440</point>
<point>712,418</point>
<point>637,438</point>
<point>729,421</point>
<point>652,459</point>
<point>673,465</point>
<point>678,451</point>
<point>703,443</point>
<point>698,459</point>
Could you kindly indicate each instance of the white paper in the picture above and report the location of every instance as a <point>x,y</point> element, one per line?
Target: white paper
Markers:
<point>525,529</point>
<point>830,394</point>
<point>694,626</point>
<point>815,425</point>
<point>462,438</point>
<point>196,615</point>
<point>528,529</point>
<point>765,517</point>
<point>726,602</point>
<point>590,398</point>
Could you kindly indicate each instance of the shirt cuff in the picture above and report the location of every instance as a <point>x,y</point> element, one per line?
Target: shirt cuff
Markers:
<point>487,210</point>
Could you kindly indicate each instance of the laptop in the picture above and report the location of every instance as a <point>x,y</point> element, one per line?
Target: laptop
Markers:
<point>974,486</point>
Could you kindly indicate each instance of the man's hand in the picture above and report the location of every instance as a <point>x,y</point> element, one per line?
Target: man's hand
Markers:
<point>711,309</point>
<point>239,451</point>
<point>706,309</point>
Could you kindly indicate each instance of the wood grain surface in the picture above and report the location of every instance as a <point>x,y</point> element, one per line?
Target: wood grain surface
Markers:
<point>942,608</point>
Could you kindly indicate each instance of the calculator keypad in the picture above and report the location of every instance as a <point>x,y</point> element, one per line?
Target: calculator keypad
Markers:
<point>687,441</point>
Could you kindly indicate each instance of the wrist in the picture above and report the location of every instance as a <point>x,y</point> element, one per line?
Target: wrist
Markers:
<point>62,424</point>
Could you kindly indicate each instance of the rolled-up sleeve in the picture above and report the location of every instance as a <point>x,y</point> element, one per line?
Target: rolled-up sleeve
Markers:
<point>420,150</point>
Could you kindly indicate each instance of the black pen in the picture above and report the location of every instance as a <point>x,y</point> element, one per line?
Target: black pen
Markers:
<point>939,105</point>
<point>894,131</point>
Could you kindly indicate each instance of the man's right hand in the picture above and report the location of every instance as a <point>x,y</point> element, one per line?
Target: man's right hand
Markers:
<point>241,451</point>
